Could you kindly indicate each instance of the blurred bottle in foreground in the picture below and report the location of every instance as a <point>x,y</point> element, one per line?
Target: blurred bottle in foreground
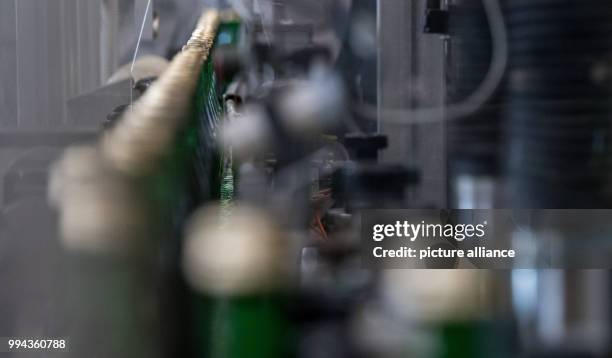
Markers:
<point>110,301</point>
<point>240,263</point>
<point>435,314</point>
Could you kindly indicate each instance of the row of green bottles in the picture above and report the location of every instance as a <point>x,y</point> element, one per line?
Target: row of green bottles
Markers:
<point>121,206</point>
<point>233,255</point>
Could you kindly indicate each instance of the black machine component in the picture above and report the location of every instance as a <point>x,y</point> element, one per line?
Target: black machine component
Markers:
<point>228,61</point>
<point>436,18</point>
<point>365,147</point>
<point>114,116</point>
<point>559,105</point>
<point>474,141</point>
<point>140,88</point>
<point>548,119</point>
<point>373,186</point>
<point>363,183</point>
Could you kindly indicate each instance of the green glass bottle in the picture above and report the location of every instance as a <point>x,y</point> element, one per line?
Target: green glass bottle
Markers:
<point>109,287</point>
<point>122,215</point>
<point>241,268</point>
